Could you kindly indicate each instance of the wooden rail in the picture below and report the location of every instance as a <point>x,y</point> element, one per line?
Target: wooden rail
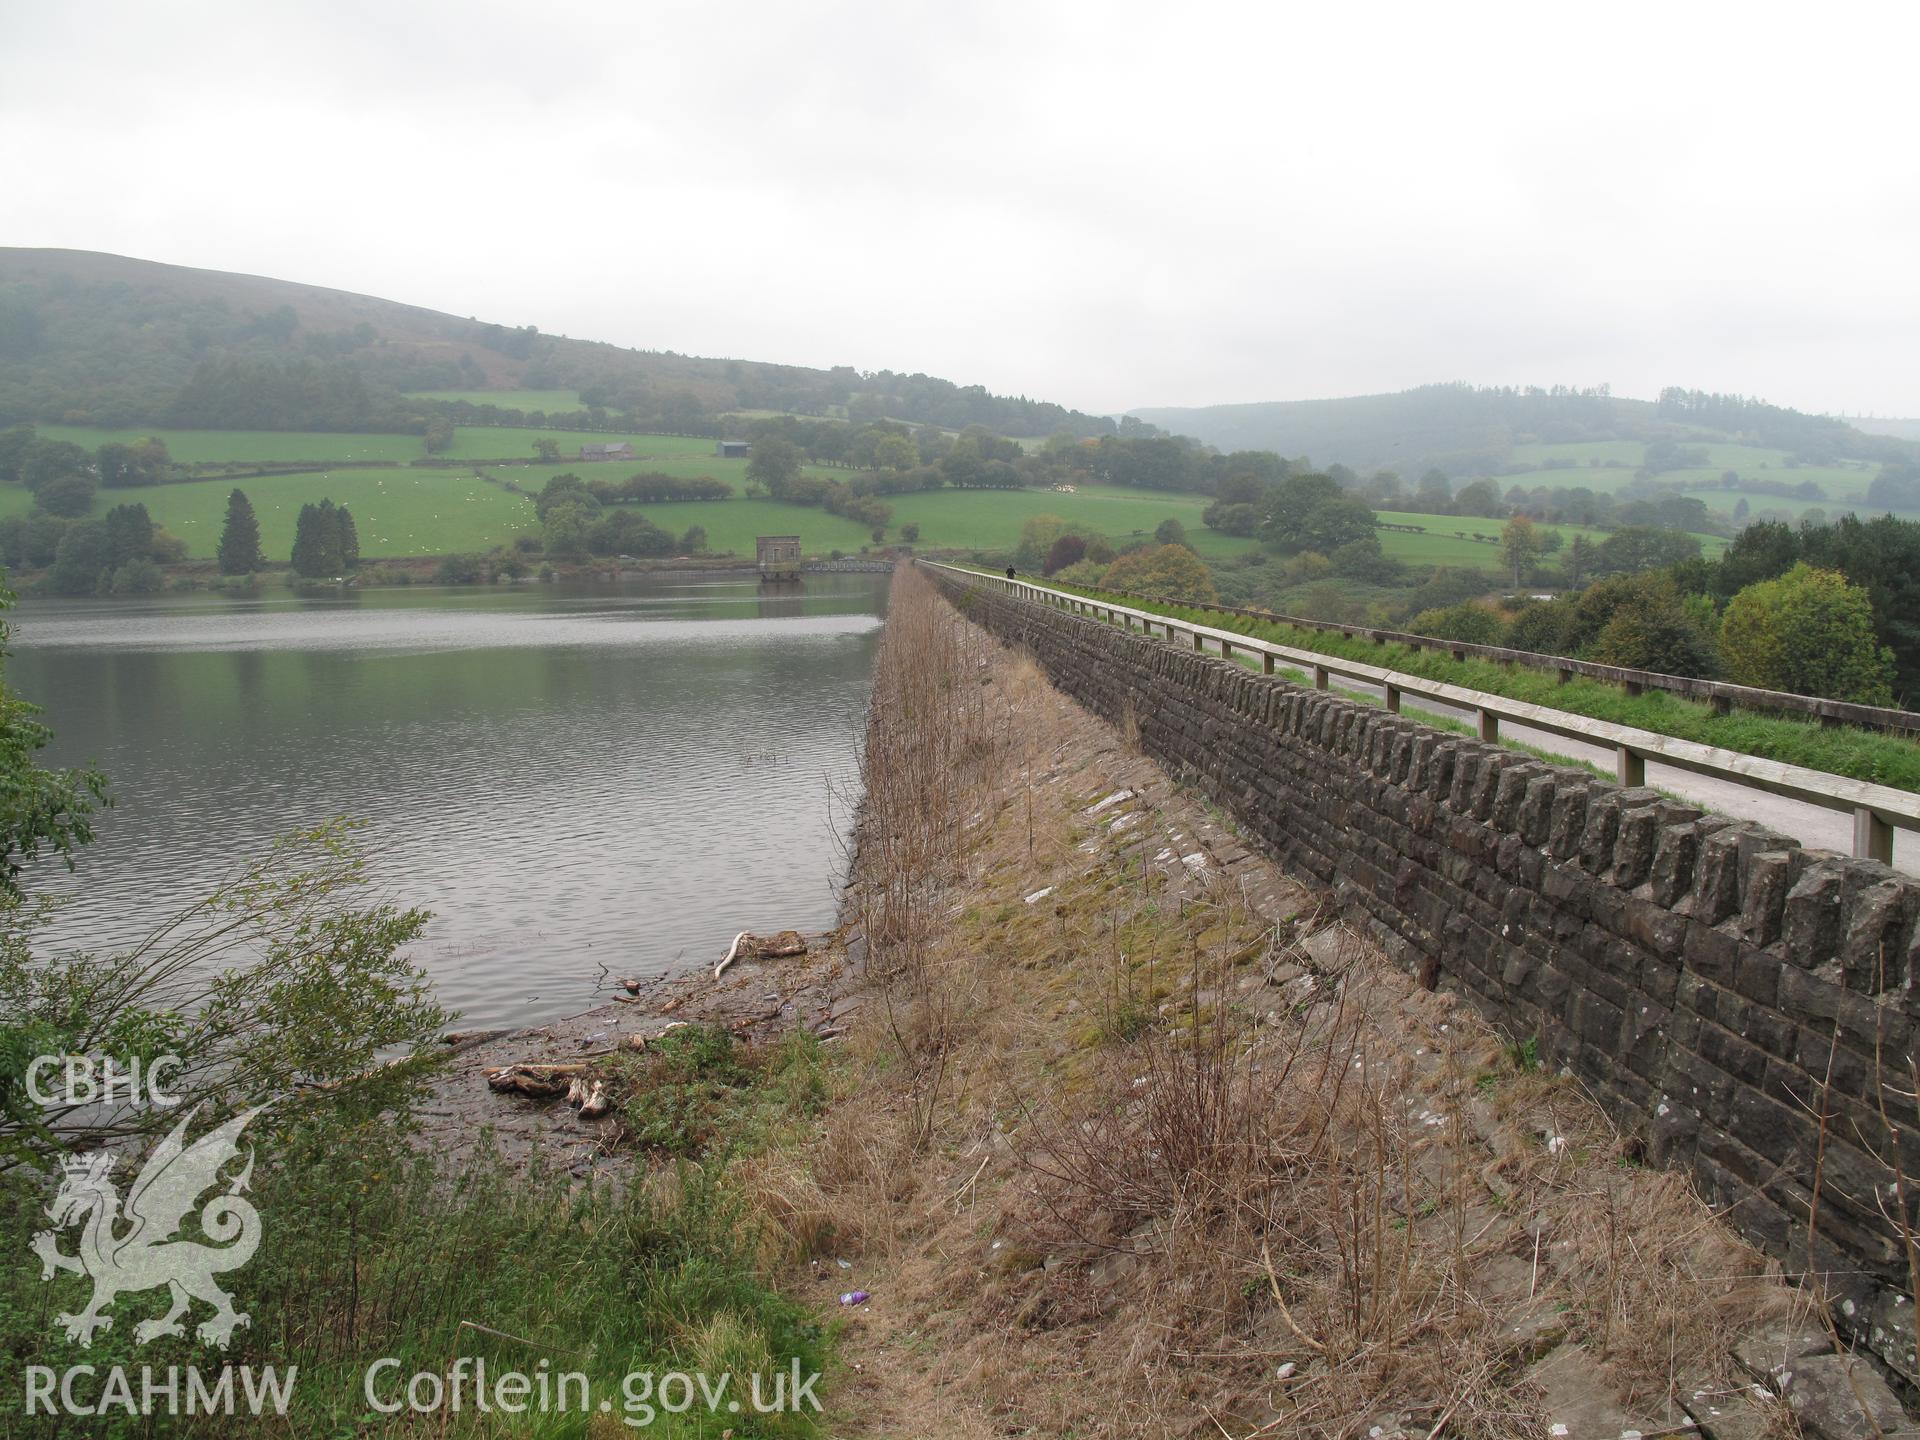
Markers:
<point>1876,809</point>
<point>1721,695</point>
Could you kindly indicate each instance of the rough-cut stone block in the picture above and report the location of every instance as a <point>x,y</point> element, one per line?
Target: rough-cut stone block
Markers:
<point>1569,819</point>
<point>1811,919</point>
<point>1673,855</point>
<point>1842,1397</point>
<point>1511,793</point>
<point>1655,928</point>
<point>1716,883</point>
<point>1633,845</point>
<point>1535,819</point>
<point>1603,827</point>
<point>1768,877</point>
<point>1873,929</point>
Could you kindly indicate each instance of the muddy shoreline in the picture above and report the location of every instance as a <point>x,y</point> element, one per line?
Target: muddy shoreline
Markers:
<point>756,1000</point>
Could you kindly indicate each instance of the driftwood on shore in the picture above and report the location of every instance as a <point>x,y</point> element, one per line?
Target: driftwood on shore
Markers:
<point>535,1081</point>
<point>551,1079</point>
<point>762,947</point>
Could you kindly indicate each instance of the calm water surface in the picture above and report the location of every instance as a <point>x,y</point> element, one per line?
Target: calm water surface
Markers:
<point>573,779</point>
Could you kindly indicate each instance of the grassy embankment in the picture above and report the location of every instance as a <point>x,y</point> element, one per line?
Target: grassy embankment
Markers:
<point>1861,754</point>
<point>1128,1104</point>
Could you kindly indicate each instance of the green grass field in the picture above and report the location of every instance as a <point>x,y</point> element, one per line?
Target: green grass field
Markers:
<point>1845,489</point>
<point>1628,454</point>
<point>422,511</point>
<point>488,442</point>
<point>1845,485</point>
<point>397,512</point>
<point>986,519</point>
<point>548,400</point>
<point>1442,545</point>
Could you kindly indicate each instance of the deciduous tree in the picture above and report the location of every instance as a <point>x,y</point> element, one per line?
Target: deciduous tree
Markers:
<point>775,463</point>
<point>1520,548</point>
<point>1809,632</point>
<point>40,809</point>
<point>1166,572</point>
<point>129,534</point>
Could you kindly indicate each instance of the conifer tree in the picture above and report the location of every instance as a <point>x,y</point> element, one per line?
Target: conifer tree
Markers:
<point>240,538</point>
<point>349,541</point>
<point>316,542</point>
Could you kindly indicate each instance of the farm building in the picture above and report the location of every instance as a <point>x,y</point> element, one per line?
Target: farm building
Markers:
<point>778,556</point>
<point>621,451</point>
<point>731,449</point>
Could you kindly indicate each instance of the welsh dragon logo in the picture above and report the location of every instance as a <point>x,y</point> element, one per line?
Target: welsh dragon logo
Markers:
<point>140,1249</point>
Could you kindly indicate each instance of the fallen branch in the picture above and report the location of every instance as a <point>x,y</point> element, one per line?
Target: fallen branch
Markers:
<point>1286,1315</point>
<point>775,947</point>
<point>733,952</point>
<point>459,1039</point>
<point>535,1081</point>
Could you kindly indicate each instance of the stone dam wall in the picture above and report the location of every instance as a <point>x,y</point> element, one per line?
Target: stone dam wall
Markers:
<point>1744,1007</point>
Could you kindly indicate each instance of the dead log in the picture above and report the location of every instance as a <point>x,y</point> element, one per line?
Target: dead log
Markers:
<point>762,947</point>
<point>597,1102</point>
<point>534,1087</point>
<point>535,1081</point>
<point>461,1038</point>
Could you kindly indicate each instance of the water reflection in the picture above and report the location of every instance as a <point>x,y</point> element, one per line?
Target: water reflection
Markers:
<point>609,776</point>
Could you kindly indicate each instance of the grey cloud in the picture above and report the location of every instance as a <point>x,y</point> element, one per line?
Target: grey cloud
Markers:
<point>1107,205</point>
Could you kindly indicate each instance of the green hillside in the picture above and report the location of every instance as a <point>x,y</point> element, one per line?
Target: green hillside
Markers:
<point>1473,431</point>
<point>114,341</point>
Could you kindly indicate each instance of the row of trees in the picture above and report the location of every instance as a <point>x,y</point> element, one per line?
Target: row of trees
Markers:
<point>577,521</point>
<point>65,477</point>
<point>1830,610</point>
<point>862,396</point>
<point>1880,557</point>
<point>119,554</point>
<point>233,394</point>
<point>1808,631</point>
<point>1315,512</point>
<point>122,551</point>
<point>1809,439</point>
<point>1165,567</point>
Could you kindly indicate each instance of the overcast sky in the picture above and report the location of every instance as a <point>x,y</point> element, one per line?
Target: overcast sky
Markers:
<point>1107,204</point>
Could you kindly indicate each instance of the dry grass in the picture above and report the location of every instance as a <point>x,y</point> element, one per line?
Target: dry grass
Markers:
<point>1130,1158</point>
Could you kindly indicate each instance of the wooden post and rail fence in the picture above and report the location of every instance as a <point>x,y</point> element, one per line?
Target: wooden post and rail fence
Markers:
<point>1876,809</point>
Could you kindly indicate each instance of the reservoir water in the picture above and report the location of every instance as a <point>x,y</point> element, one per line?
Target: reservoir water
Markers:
<point>579,781</point>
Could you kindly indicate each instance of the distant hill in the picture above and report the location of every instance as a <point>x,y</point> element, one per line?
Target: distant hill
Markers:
<point>89,338</point>
<point>1899,429</point>
<point>1468,430</point>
